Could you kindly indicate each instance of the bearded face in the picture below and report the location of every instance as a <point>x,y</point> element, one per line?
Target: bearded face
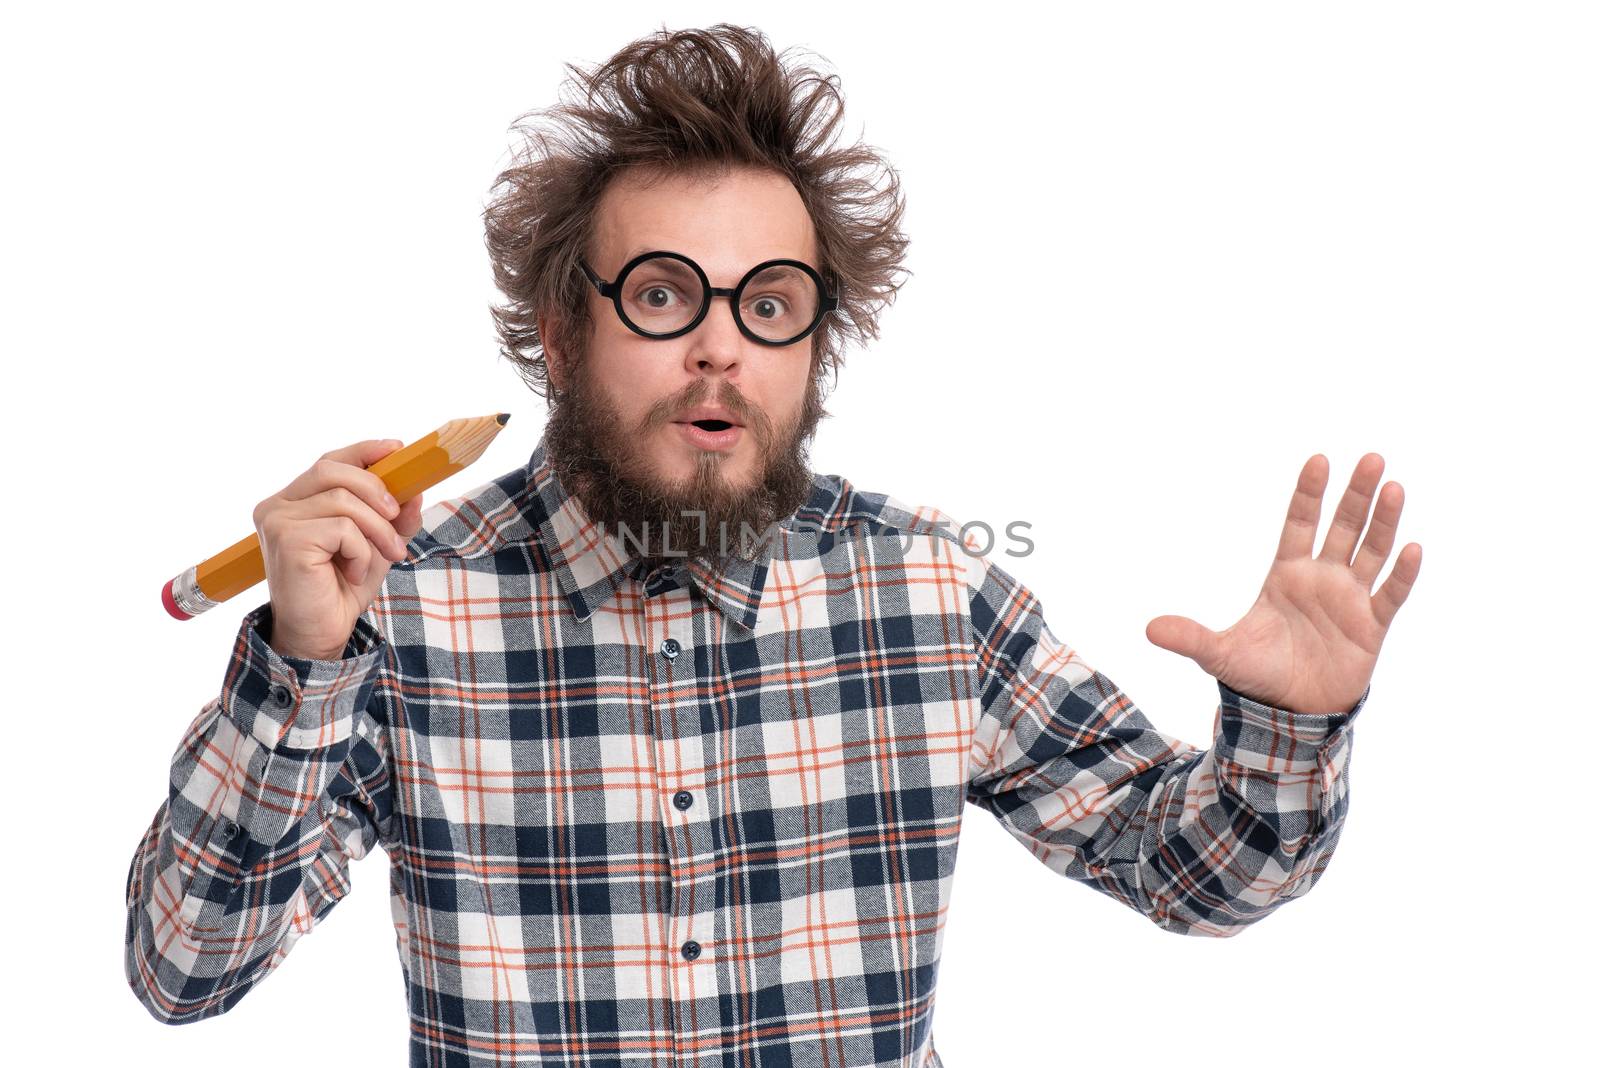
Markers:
<point>605,461</point>
<point>682,444</point>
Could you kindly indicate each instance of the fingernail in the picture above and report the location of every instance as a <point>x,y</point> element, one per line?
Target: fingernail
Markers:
<point>391,504</point>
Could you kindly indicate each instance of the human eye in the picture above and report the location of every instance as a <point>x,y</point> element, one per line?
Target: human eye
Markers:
<point>657,296</point>
<point>768,307</point>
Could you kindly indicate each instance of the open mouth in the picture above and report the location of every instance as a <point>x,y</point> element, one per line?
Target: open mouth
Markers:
<point>712,425</point>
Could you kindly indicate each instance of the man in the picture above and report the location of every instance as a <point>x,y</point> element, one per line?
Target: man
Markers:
<point>658,792</point>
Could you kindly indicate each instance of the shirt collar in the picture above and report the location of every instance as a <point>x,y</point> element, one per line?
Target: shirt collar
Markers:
<point>593,564</point>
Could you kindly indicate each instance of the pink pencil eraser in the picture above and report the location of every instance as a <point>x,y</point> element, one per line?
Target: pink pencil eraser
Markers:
<point>171,605</point>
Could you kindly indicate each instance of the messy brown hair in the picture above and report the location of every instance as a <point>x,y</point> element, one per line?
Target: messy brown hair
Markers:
<point>701,101</point>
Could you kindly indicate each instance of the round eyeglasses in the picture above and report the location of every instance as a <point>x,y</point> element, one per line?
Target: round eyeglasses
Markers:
<point>664,295</point>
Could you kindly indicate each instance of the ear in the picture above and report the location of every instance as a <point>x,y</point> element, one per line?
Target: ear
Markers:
<point>554,360</point>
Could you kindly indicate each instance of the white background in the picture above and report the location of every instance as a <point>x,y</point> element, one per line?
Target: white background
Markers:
<point>1162,254</point>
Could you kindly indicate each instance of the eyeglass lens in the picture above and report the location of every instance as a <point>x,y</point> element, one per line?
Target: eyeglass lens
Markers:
<point>661,295</point>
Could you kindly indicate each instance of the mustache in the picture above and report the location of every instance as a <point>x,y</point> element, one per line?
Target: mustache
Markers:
<point>698,392</point>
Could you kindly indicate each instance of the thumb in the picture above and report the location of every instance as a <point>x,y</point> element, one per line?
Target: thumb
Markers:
<point>1184,636</point>
<point>409,521</point>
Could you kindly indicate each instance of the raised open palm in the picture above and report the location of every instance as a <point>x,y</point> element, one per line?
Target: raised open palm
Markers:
<point>1311,640</point>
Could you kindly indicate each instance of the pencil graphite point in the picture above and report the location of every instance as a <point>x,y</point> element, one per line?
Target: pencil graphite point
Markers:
<point>502,417</point>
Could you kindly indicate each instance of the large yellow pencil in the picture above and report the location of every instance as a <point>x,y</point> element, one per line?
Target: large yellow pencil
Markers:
<point>406,471</point>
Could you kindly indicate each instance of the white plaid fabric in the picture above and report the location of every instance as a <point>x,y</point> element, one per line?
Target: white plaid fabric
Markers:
<point>692,817</point>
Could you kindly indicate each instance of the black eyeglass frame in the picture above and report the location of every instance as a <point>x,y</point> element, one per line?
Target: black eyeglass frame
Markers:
<point>613,290</point>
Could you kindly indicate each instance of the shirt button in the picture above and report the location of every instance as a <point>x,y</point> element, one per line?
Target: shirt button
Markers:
<point>670,648</point>
<point>683,799</point>
<point>281,697</point>
<point>691,949</point>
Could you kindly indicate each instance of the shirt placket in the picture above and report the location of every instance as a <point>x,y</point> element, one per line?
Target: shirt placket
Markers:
<point>675,629</point>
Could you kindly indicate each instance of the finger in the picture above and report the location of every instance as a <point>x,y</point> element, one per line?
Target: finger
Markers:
<point>1351,515</point>
<point>1393,593</point>
<point>329,472</point>
<point>343,542</point>
<point>1380,535</point>
<point>339,501</point>
<point>363,453</point>
<point>409,521</point>
<point>1305,510</point>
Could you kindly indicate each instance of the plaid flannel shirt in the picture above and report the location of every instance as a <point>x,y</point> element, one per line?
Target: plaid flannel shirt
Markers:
<point>692,817</point>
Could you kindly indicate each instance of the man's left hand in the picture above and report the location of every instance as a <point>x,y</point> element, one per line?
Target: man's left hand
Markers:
<point>1311,640</point>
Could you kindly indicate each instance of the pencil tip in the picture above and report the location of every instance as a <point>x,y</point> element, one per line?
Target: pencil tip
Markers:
<point>502,417</point>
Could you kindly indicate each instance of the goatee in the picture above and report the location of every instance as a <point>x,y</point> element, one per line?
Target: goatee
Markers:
<point>602,463</point>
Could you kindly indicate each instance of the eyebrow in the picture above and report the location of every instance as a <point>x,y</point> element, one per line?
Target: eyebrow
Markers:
<point>627,257</point>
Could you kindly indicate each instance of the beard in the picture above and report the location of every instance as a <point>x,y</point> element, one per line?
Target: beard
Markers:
<point>604,465</point>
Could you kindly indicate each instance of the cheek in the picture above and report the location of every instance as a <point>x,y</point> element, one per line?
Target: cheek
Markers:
<point>631,380</point>
<point>790,389</point>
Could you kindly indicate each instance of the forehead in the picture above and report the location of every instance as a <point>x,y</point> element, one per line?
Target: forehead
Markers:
<point>725,222</point>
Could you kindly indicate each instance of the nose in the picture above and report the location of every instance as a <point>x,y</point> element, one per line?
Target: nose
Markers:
<point>715,344</point>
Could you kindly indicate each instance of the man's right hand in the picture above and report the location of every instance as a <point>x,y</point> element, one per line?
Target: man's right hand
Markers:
<point>328,540</point>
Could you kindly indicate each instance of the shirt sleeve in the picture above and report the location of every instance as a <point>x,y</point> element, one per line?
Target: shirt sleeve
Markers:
<point>1201,841</point>
<point>276,786</point>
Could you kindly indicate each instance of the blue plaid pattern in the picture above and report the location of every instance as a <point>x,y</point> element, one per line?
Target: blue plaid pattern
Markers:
<point>684,816</point>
